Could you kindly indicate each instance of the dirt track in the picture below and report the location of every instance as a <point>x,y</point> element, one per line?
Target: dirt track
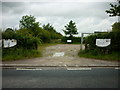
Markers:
<point>63,55</point>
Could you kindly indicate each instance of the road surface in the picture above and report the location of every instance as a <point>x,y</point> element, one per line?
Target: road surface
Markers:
<point>66,77</point>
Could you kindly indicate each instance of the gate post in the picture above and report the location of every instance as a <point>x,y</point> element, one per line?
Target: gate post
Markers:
<point>81,41</point>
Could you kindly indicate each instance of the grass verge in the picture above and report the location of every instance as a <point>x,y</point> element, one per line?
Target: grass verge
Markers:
<point>113,56</point>
<point>19,53</point>
<point>11,54</point>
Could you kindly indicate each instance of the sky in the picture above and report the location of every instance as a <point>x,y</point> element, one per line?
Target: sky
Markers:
<point>89,15</point>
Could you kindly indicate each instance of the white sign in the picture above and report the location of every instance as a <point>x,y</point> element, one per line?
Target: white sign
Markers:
<point>9,43</point>
<point>103,42</point>
<point>69,40</point>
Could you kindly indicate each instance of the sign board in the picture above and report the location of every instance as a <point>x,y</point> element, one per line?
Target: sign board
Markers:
<point>9,43</point>
<point>69,40</point>
<point>103,42</point>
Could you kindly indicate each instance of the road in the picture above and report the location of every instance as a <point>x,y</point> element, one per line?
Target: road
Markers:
<point>64,77</point>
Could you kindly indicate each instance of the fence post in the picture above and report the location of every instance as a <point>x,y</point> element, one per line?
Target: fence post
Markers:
<point>81,41</point>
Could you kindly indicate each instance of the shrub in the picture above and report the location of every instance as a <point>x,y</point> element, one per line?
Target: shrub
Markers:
<point>74,39</point>
<point>114,46</point>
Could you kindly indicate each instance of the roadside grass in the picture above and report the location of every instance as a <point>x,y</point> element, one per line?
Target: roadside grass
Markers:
<point>113,56</point>
<point>11,54</point>
<point>19,53</point>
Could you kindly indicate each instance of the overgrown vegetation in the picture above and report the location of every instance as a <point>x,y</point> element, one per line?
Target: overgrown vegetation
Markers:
<point>70,30</point>
<point>111,52</point>
<point>29,37</point>
<point>75,40</point>
<point>113,56</point>
<point>19,53</point>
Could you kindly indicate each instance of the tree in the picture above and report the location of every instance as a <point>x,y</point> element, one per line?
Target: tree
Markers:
<point>28,22</point>
<point>9,30</point>
<point>53,33</point>
<point>70,29</point>
<point>48,27</point>
<point>114,10</point>
<point>116,27</point>
<point>9,33</point>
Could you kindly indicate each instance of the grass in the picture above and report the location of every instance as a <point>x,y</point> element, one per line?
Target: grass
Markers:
<point>114,56</point>
<point>16,54</point>
<point>12,54</point>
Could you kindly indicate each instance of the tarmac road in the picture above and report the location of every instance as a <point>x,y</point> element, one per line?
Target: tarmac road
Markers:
<point>66,77</point>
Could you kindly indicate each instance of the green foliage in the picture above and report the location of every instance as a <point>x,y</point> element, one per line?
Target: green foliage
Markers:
<point>48,27</point>
<point>114,36</point>
<point>25,40</point>
<point>113,56</point>
<point>74,39</point>
<point>23,37</point>
<point>29,23</point>
<point>116,27</point>
<point>52,31</point>
<point>15,53</point>
<point>90,43</point>
<point>9,34</point>
<point>44,35</point>
<point>70,29</point>
<point>55,35</point>
<point>115,41</point>
<point>114,10</point>
<point>28,37</point>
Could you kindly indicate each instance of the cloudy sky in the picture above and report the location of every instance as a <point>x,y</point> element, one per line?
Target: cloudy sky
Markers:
<point>89,15</point>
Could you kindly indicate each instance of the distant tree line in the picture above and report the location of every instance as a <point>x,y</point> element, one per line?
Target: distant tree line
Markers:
<point>31,34</point>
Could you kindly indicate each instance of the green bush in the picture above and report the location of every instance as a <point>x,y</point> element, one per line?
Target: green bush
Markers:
<point>28,42</point>
<point>9,34</point>
<point>24,38</point>
<point>114,46</point>
<point>44,36</point>
<point>74,39</point>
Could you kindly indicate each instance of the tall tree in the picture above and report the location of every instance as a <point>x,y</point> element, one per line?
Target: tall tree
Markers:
<point>70,29</point>
<point>48,27</point>
<point>28,22</point>
<point>53,33</point>
<point>114,10</point>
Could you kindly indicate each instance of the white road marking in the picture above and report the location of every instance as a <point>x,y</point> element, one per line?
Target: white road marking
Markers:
<point>28,69</point>
<point>79,69</point>
<point>59,54</point>
<point>15,64</point>
<point>117,68</point>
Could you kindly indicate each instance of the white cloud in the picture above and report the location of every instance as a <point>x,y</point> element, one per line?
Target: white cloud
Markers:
<point>87,16</point>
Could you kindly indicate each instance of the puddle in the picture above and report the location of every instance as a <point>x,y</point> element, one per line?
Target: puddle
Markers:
<point>58,54</point>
